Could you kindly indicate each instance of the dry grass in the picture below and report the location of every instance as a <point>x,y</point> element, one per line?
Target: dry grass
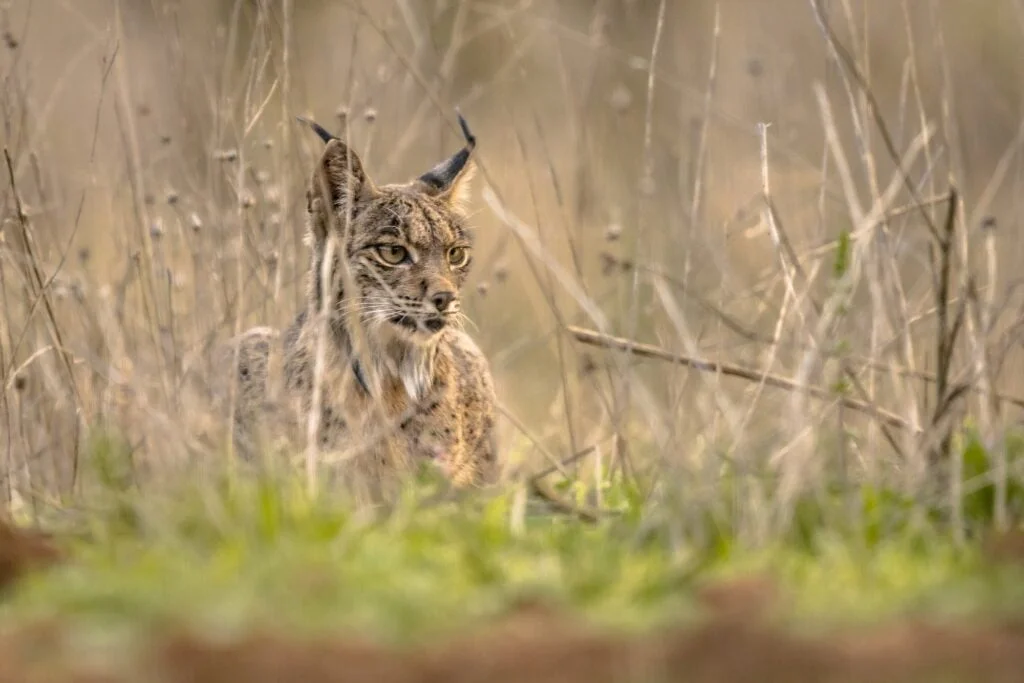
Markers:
<point>819,196</point>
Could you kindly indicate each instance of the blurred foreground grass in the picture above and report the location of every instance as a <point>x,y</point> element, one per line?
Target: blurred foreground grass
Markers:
<point>231,555</point>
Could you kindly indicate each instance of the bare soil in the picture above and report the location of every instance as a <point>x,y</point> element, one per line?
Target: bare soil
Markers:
<point>23,550</point>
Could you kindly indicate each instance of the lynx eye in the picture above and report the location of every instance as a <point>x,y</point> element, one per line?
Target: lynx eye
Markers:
<point>458,256</point>
<point>392,254</point>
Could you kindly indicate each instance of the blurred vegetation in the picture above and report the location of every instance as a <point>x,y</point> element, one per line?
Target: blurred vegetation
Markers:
<point>810,219</point>
<point>264,554</point>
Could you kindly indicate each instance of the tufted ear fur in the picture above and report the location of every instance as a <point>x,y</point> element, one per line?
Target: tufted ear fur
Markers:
<point>339,181</point>
<point>457,193</point>
<point>450,180</point>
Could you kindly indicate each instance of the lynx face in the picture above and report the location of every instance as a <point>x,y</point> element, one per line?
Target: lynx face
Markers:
<point>407,247</point>
<point>409,255</point>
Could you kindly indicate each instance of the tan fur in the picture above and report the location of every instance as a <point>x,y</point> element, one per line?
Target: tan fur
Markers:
<point>431,395</point>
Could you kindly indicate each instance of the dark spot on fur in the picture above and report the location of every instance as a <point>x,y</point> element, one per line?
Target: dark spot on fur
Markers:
<point>434,324</point>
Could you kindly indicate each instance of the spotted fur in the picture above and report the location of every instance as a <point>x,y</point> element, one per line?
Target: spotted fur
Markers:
<point>401,382</point>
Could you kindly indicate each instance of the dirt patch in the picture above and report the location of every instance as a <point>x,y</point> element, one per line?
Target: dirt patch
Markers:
<point>24,550</point>
<point>31,655</point>
<point>724,650</point>
<point>264,658</point>
<point>536,643</point>
<point>1005,548</point>
<point>745,598</point>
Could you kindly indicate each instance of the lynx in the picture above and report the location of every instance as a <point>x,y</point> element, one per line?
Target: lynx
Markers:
<point>400,382</point>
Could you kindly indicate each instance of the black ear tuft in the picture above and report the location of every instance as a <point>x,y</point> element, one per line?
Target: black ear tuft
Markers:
<point>318,129</point>
<point>339,182</point>
<point>441,178</point>
<point>470,138</point>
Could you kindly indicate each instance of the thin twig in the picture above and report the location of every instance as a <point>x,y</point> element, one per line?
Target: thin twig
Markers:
<point>948,330</point>
<point>560,466</point>
<point>595,338</point>
<point>876,112</point>
<point>37,278</point>
<point>548,493</point>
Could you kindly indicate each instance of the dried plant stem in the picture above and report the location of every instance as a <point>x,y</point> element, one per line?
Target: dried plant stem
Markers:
<point>545,491</point>
<point>948,329</point>
<point>357,334</point>
<point>40,292</point>
<point>595,338</point>
<point>561,465</point>
<point>537,482</point>
<point>254,72</point>
<point>286,119</point>
<point>989,404</point>
<point>323,326</point>
<point>844,57</point>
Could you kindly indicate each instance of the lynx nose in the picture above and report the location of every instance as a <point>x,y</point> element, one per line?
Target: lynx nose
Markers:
<point>442,300</point>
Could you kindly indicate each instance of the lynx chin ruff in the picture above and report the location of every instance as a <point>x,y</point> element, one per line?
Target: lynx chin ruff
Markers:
<point>400,383</point>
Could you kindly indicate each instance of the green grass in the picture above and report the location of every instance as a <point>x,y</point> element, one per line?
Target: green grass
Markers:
<point>264,553</point>
<point>268,554</point>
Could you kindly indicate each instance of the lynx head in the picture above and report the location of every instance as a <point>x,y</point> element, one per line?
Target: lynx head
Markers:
<point>407,246</point>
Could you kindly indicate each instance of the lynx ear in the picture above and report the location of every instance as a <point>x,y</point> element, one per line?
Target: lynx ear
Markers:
<point>339,180</point>
<point>450,179</point>
<point>318,129</point>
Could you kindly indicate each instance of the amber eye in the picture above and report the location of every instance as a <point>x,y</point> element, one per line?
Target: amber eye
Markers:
<point>392,254</point>
<point>458,256</point>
